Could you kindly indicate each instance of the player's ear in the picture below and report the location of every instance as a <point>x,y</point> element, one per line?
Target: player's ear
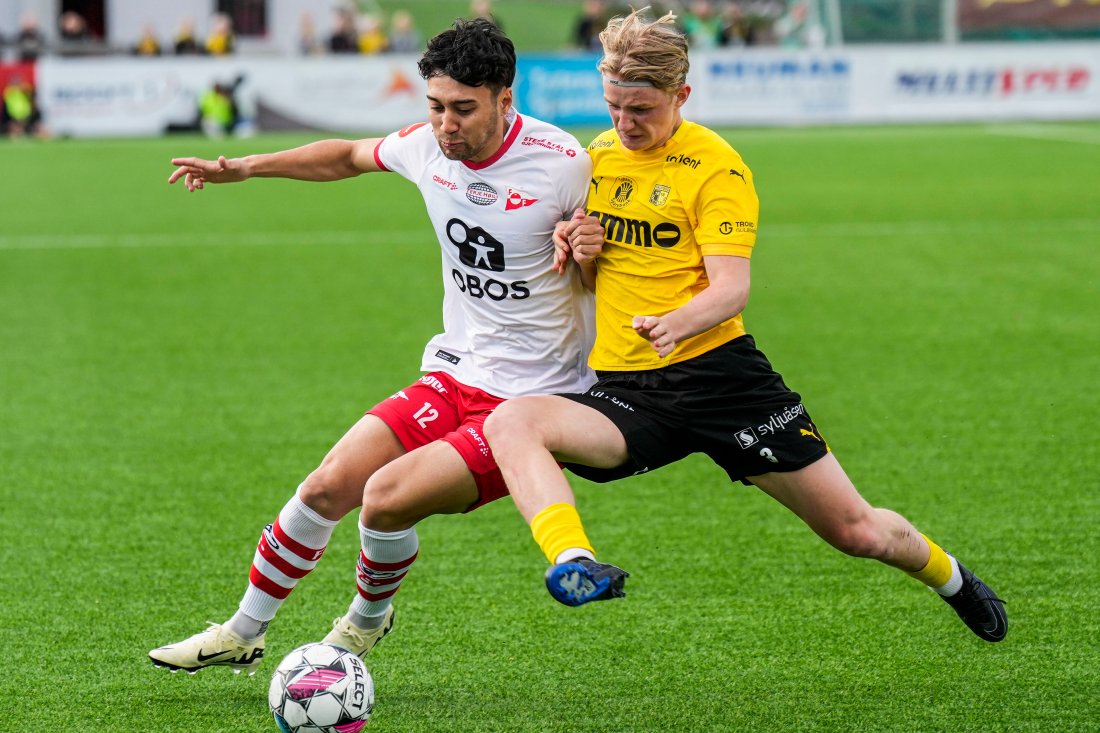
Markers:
<point>681,95</point>
<point>504,101</point>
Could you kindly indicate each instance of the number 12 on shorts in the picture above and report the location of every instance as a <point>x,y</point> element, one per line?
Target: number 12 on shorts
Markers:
<point>425,415</point>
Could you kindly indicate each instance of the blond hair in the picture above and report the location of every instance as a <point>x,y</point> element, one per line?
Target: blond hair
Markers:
<point>638,49</point>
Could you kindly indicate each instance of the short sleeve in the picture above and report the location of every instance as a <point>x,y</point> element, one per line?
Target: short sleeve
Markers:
<point>403,152</point>
<point>728,210</point>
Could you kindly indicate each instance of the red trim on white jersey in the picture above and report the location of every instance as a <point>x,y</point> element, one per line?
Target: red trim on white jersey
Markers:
<point>378,160</point>
<point>513,133</point>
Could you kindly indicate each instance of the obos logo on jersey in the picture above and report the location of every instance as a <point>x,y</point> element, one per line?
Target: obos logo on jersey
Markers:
<point>481,250</point>
<point>476,247</point>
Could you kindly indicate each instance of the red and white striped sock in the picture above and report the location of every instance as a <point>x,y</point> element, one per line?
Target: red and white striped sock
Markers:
<point>383,563</point>
<point>288,549</point>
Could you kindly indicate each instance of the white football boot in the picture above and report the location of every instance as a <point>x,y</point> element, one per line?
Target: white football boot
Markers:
<point>355,639</point>
<point>217,646</point>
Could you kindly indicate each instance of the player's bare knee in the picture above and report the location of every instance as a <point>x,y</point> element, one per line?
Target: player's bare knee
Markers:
<point>381,509</point>
<point>511,422</point>
<point>859,538</point>
<point>326,492</point>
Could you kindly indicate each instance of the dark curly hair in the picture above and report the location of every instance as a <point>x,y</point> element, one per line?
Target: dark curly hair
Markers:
<point>474,52</point>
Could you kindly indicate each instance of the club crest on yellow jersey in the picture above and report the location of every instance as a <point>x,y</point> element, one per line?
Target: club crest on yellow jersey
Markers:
<point>624,189</point>
<point>659,195</point>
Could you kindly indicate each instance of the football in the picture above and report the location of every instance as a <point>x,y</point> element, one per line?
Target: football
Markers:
<point>321,688</point>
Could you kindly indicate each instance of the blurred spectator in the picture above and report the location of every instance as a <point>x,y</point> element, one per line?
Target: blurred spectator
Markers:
<point>404,37</point>
<point>186,42</point>
<point>72,34</point>
<point>737,30</point>
<point>218,109</point>
<point>798,28</point>
<point>372,36</point>
<point>344,38</point>
<point>586,33</point>
<point>308,45</point>
<point>19,112</point>
<point>484,9</point>
<point>72,28</point>
<point>29,42</point>
<point>147,44</point>
<point>702,26</point>
<point>221,41</point>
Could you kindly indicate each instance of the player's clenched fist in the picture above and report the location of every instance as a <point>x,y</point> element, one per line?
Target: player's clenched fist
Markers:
<point>585,235</point>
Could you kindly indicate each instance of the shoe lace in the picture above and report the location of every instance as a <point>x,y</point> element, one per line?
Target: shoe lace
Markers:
<point>347,629</point>
<point>969,593</point>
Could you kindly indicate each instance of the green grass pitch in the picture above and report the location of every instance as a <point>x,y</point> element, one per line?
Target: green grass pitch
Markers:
<point>172,365</point>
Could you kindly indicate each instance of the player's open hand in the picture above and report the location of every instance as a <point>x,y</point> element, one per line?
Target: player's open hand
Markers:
<point>196,172</point>
<point>654,330</point>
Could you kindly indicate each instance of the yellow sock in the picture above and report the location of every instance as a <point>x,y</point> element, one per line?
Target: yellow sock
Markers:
<point>557,528</point>
<point>938,570</point>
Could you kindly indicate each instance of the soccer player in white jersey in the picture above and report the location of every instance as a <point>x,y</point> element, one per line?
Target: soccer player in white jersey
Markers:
<point>516,321</point>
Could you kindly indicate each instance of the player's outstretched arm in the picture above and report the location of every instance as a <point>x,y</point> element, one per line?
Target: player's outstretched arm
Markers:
<point>325,160</point>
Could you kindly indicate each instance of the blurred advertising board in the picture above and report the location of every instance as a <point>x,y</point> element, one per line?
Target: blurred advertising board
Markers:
<point>109,97</point>
<point>982,82</point>
<point>863,84</point>
<point>772,86</point>
<point>897,83</point>
<point>563,89</point>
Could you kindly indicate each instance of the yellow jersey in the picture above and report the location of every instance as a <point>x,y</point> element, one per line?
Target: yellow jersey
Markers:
<point>662,211</point>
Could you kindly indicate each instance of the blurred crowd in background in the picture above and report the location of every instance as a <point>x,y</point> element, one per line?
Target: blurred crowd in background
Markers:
<point>347,30</point>
<point>253,29</point>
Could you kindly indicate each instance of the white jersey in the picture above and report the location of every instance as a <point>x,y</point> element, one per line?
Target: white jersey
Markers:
<point>511,325</point>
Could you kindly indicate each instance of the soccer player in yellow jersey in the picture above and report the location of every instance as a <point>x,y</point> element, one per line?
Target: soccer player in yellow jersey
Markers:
<point>666,242</point>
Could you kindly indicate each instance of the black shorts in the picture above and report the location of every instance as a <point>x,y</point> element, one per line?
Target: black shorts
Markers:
<point>727,403</point>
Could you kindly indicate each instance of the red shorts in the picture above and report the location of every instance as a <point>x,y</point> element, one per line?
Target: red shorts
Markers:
<point>439,408</point>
